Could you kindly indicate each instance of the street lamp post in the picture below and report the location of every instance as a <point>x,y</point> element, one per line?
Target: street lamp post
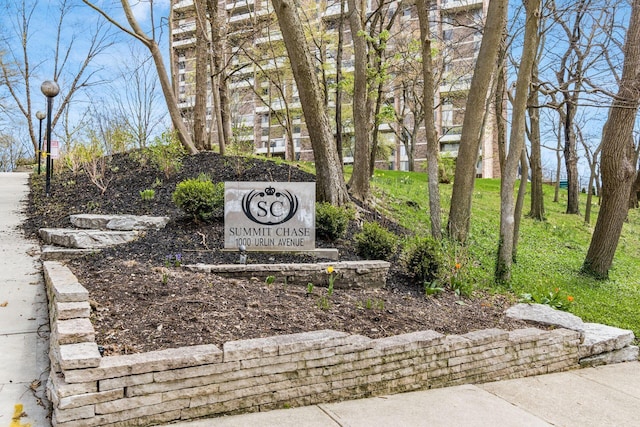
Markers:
<point>50,89</point>
<point>40,116</point>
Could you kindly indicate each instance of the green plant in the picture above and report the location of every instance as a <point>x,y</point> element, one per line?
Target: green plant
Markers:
<point>461,288</point>
<point>269,280</point>
<point>332,279</point>
<point>175,260</point>
<point>556,299</point>
<point>200,198</point>
<point>375,242</point>
<point>422,258</point>
<point>166,153</point>
<point>332,221</point>
<point>309,288</point>
<point>148,194</point>
<point>432,288</point>
<point>446,169</point>
<point>323,303</point>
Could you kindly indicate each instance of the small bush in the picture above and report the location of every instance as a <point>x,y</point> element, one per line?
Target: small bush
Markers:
<point>422,259</point>
<point>332,221</point>
<point>375,242</point>
<point>446,169</point>
<point>166,153</point>
<point>148,194</point>
<point>200,198</point>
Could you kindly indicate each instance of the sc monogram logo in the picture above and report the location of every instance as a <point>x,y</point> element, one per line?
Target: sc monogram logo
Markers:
<point>270,207</point>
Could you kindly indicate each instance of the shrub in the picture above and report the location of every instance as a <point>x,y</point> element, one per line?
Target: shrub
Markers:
<point>166,153</point>
<point>446,169</point>
<point>375,242</point>
<point>200,198</point>
<point>148,194</point>
<point>332,221</point>
<point>422,259</point>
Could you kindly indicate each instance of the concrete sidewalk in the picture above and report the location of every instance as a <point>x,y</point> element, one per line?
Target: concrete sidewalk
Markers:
<point>603,396</point>
<point>24,323</point>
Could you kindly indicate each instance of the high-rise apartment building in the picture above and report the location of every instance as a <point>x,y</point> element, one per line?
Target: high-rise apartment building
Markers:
<point>265,110</point>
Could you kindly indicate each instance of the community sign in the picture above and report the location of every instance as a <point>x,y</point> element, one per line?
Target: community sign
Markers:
<point>270,216</point>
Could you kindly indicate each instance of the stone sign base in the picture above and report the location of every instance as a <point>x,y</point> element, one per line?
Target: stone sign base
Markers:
<point>348,274</point>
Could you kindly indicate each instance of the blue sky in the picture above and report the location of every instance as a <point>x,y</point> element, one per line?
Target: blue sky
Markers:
<point>79,25</point>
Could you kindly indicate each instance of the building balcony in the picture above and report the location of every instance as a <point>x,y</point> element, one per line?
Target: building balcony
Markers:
<point>450,138</point>
<point>177,44</point>
<point>451,5</point>
<point>238,5</point>
<point>183,5</point>
<point>247,17</point>
<point>460,84</point>
<point>184,28</point>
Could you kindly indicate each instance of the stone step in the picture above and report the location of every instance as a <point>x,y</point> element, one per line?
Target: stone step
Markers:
<point>56,253</point>
<point>118,222</point>
<point>86,239</point>
<point>597,339</point>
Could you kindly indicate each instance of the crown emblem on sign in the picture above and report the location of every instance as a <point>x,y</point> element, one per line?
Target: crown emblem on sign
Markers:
<point>270,191</point>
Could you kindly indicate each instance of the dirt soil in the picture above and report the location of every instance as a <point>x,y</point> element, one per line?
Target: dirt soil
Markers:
<point>142,300</point>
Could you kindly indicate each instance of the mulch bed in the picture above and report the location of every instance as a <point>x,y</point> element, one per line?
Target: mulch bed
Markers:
<point>143,302</point>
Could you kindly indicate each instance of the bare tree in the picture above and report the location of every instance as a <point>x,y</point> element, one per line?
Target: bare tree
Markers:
<point>433,145</point>
<point>20,72</point>
<point>506,246</point>
<point>618,166</point>
<point>460,210</point>
<point>330,185</point>
<point>136,98</point>
<point>359,183</point>
<point>151,43</point>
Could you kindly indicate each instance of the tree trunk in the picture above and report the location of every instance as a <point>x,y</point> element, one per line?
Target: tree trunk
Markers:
<point>500,96</point>
<point>571,159</point>
<point>165,82</point>
<point>556,193</point>
<point>359,183</point>
<point>633,199</point>
<point>460,211</point>
<point>537,195</point>
<point>200,138</point>
<point>522,191</point>
<point>330,185</point>
<point>220,101</point>
<point>592,177</point>
<point>170,98</point>
<point>339,52</point>
<point>617,166</point>
<point>433,145</point>
<point>516,144</point>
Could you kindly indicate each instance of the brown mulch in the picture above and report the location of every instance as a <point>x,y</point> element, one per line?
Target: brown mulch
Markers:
<point>142,301</point>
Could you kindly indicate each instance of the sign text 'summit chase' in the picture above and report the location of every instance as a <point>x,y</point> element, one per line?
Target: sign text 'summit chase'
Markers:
<point>269,216</point>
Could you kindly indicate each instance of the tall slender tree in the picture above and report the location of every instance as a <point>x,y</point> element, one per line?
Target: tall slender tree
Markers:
<point>618,166</point>
<point>151,43</point>
<point>460,210</point>
<point>428,95</point>
<point>330,185</point>
<point>506,246</point>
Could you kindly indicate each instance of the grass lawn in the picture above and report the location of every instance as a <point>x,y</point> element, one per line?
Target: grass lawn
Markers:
<point>550,253</point>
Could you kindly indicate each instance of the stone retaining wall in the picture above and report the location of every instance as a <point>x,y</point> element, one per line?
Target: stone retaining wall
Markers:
<point>363,274</point>
<point>268,373</point>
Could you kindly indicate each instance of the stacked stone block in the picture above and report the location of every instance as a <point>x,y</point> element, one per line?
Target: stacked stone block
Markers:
<point>266,373</point>
<point>348,274</point>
